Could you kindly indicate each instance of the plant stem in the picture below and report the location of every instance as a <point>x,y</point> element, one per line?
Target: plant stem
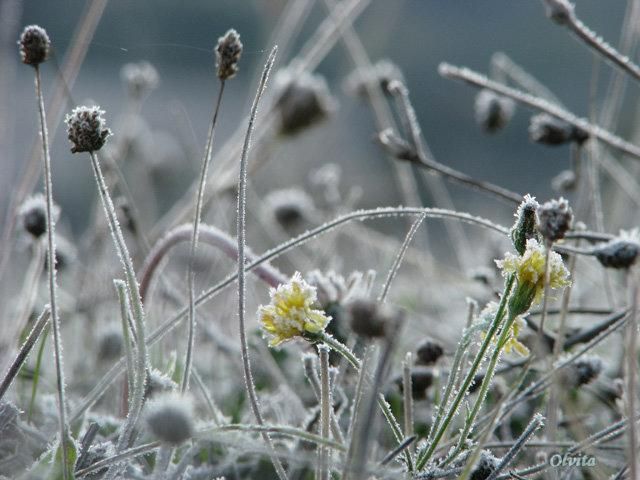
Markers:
<point>325,411</point>
<point>51,257</point>
<point>194,242</point>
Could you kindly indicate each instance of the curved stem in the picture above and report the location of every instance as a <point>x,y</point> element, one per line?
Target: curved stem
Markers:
<point>51,258</point>
<point>194,243</point>
<point>242,205</point>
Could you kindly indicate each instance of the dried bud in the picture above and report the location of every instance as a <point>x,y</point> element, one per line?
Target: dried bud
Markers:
<point>554,219</point>
<point>302,100</point>
<point>379,75</point>
<point>525,226</point>
<point>33,213</point>
<point>34,45</point>
<point>170,418</point>
<point>140,78</point>
<point>366,318</point>
<point>565,181</point>
<point>560,11</point>
<point>228,53</point>
<point>585,369</point>
<point>86,129</point>
<point>428,352</point>
<point>618,253</point>
<point>290,207</point>
<point>486,465</point>
<point>421,379</point>
<point>548,130</point>
<point>493,111</point>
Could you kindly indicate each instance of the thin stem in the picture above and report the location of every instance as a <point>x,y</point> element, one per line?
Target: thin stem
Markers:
<point>29,291</point>
<point>632,359</point>
<point>545,296</point>
<point>51,258</point>
<point>242,196</point>
<point>125,313</point>
<point>325,411</point>
<point>537,103</point>
<point>425,455</point>
<point>194,242</point>
<point>407,392</point>
<point>22,355</point>
<point>138,310</point>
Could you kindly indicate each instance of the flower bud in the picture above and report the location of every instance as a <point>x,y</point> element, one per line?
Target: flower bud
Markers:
<point>379,75</point>
<point>34,45</point>
<point>560,11</point>
<point>33,213</point>
<point>228,53</point>
<point>548,130</point>
<point>290,207</point>
<point>554,219</point>
<point>525,226</point>
<point>493,111</point>
<point>366,318</point>
<point>585,369</point>
<point>618,253</point>
<point>86,129</point>
<point>421,379</point>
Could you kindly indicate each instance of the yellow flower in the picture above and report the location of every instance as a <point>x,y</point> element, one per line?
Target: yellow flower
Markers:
<point>290,313</point>
<point>529,270</point>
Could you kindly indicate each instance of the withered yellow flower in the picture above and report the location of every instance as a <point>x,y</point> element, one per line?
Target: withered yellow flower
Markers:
<point>291,312</point>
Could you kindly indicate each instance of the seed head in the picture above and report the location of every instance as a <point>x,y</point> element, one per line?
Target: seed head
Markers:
<point>34,45</point>
<point>620,252</point>
<point>290,207</point>
<point>302,100</point>
<point>493,111</point>
<point>525,226</point>
<point>586,369</point>
<point>110,342</point>
<point>86,129</point>
<point>429,351</point>
<point>228,53</point>
<point>554,219</point>
<point>170,418</point>
<point>140,78</point>
<point>560,11</point>
<point>548,130</point>
<point>379,75</point>
<point>33,213</point>
<point>421,379</point>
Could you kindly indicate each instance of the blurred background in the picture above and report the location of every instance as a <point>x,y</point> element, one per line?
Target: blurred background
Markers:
<point>178,38</point>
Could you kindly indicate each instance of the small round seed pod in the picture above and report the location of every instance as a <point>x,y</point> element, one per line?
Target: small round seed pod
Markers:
<point>366,319</point>
<point>290,207</point>
<point>379,75</point>
<point>565,181</point>
<point>86,129</point>
<point>33,214</point>
<point>34,45</point>
<point>618,253</point>
<point>554,219</point>
<point>548,130</point>
<point>421,380</point>
<point>170,418</point>
<point>302,100</point>
<point>487,464</point>
<point>585,370</point>
<point>492,111</point>
<point>560,11</point>
<point>110,343</point>
<point>228,51</point>
<point>428,352</point>
<point>140,78</point>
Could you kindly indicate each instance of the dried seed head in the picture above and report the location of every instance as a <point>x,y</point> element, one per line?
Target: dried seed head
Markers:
<point>33,214</point>
<point>585,369</point>
<point>618,253</point>
<point>525,227</point>
<point>379,75</point>
<point>86,129</point>
<point>421,379</point>
<point>110,342</point>
<point>369,319</point>
<point>34,45</point>
<point>548,130</point>
<point>290,207</point>
<point>565,181</point>
<point>554,219</point>
<point>302,100</point>
<point>486,466</point>
<point>140,78</point>
<point>429,351</point>
<point>228,53</point>
<point>560,11</point>
<point>170,418</point>
<point>493,111</point>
